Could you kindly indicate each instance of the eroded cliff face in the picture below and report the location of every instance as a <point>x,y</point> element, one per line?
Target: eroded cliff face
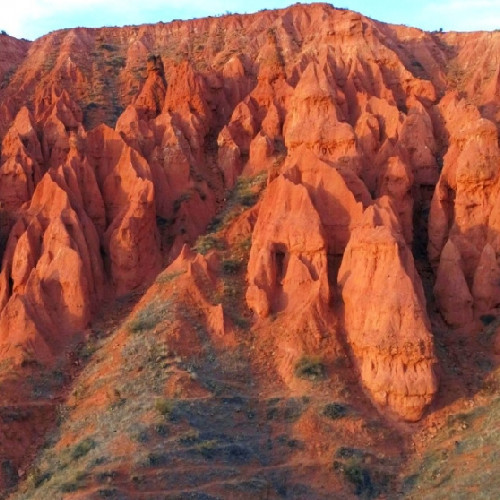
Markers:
<point>391,340</point>
<point>121,145</point>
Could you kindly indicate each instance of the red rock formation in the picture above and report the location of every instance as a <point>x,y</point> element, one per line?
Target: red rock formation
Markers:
<point>452,292</point>
<point>486,284</point>
<point>107,173</point>
<point>396,183</point>
<point>315,119</point>
<point>21,161</point>
<point>253,139</point>
<point>51,276</point>
<point>389,333</point>
<point>462,224</point>
<point>149,102</point>
<point>124,178</point>
<point>287,264</point>
<point>338,202</point>
<point>12,53</point>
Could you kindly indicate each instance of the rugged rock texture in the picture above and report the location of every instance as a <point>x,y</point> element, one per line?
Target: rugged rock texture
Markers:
<point>124,149</point>
<point>288,267</point>
<point>12,53</point>
<point>149,102</point>
<point>389,333</point>
<point>463,232</point>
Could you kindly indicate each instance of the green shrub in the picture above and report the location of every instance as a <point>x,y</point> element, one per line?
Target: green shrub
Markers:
<point>82,448</point>
<point>335,411</point>
<point>144,320</point>
<point>108,493</point>
<point>310,368</point>
<point>208,448</point>
<point>161,430</point>
<point>164,406</point>
<point>207,243</point>
<point>36,478</point>
<point>70,487</point>
<point>108,47</point>
<point>360,478</point>
<point>189,437</point>
<point>346,452</point>
<point>231,266</point>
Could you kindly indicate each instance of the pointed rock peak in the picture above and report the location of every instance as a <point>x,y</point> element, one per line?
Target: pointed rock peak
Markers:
<point>187,88</point>
<point>398,169</point>
<point>24,121</point>
<point>49,198</point>
<point>150,100</point>
<point>451,289</point>
<point>130,115</point>
<point>272,64</point>
<point>155,65</point>
<point>316,81</point>
<point>100,136</point>
<point>22,138</point>
<point>381,213</point>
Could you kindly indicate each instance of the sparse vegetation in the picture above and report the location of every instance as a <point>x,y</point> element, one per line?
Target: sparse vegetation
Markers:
<point>165,278</point>
<point>335,411</point>
<point>208,242</point>
<point>245,194</point>
<point>310,368</point>
<point>360,478</point>
<point>469,435</point>
<point>117,62</point>
<point>82,448</point>
<point>231,266</point>
<point>148,318</point>
<point>36,478</point>
<point>164,406</point>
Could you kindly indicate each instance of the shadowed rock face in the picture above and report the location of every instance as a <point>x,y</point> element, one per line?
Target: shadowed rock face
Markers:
<point>120,145</point>
<point>463,232</point>
<point>149,102</point>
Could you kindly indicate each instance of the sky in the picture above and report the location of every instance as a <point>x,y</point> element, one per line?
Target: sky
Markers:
<point>33,18</point>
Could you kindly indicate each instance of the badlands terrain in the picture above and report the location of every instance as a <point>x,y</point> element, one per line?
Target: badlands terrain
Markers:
<point>250,257</point>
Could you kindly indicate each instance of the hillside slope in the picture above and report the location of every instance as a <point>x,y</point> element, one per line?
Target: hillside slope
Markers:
<point>245,257</point>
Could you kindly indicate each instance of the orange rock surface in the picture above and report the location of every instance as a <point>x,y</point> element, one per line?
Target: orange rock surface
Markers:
<point>389,333</point>
<point>133,163</point>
